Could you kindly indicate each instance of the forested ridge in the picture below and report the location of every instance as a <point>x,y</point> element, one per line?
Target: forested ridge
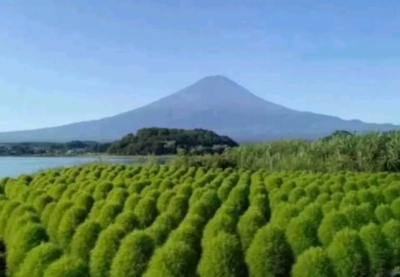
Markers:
<point>165,141</point>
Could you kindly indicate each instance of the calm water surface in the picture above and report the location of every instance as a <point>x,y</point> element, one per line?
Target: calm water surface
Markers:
<point>14,166</point>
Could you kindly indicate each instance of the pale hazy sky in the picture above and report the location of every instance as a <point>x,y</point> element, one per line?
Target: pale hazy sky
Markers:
<point>65,61</point>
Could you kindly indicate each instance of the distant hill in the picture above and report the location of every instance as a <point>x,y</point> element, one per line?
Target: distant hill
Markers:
<point>164,141</point>
<point>213,103</point>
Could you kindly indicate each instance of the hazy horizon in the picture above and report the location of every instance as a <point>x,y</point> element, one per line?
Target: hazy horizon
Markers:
<point>70,61</point>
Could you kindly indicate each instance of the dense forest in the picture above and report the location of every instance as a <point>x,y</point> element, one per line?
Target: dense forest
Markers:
<point>164,141</point>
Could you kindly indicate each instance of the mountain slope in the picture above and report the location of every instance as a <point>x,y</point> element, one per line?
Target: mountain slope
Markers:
<point>215,103</point>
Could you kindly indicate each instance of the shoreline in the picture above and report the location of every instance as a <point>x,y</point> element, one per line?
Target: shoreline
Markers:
<point>87,156</point>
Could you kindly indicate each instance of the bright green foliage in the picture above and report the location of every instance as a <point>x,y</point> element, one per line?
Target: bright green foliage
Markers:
<point>269,254</point>
<point>395,207</point>
<point>383,213</point>
<point>133,255</point>
<point>332,223</point>
<point>127,220</point>
<point>146,211</point>
<point>161,228</point>
<point>164,199</point>
<point>222,256</point>
<point>108,213</point>
<point>202,221</point>
<point>391,230</point>
<point>348,255</point>
<point>38,259</point>
<point>132,201</point>
<point>378,249</point>
<point>178,206</point>
<point>56,217</point>
<point>85,239</point>
<point>27,238</point>
<point>68,225</point>
<point>84,201</point>
<point>104,251</point>
<point>302,234</point>
<point>174,259</point>
<point>5,215</point>
<point>313,262</point>
<point>41,202</point>
<point>67,267</point>
<point>47,213</point>
<point>252,220</point>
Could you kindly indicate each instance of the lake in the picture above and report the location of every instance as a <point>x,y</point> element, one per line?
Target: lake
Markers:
<point>14,166</point>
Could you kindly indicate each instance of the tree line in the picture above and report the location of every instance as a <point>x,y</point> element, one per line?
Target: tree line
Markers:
<point>165,141</point>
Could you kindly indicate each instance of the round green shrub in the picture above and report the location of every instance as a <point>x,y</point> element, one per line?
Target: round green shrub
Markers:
<point>383,213</point>
<point>178,207</point>
<point>84,200</point>
<point>41,202</point>
<point>161,228</point>
<point>38,259</point>
<point>117,195</point>
<point>5,215</point>
<point>146,211</point>
<point>302,234</point>
<point>252,220</point>
<point>67,266</point>
<point>104,251</point>
<point>133,255</point>
<point>47,213</point>
<point>108,213</point>
<point>225,189</point>
<point>348,255</point>
<point>17,213</point>
<point>378,249</point>
<point>312,191</point>
<point>314,262</point>
<point>18,223</point>
<point>221,222</point>
<point>127,220</point>
<point>196,196</point>
<point>283,213</point>
<point>358,216</point>
<point>85,239</point>
<point>27,238</point>
<point>395,207</point>
<point>269,254</point>
<point>95,211</point>
<point>55,218</point>
<point>391,230</point>
<point>101,191</point>
<point>391,193</point>
<point>132,201</point>
<point>174,259</point>
<point>68,225</point>
<point>211,200</point>
<point>313,212</point>
<point>164,199</point>
<point>296,194</point>
<point>56,191</point>
<point>332,223</point>
<point>223,256</point>
<point>239,198</point>
<point>302,203</point>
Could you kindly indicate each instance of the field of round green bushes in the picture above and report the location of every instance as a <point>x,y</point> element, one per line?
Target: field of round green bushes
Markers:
<point>165,221</point>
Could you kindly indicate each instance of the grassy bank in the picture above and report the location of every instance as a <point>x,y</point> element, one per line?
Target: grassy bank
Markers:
<point>373,152</point>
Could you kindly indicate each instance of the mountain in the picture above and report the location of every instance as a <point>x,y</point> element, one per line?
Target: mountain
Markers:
<point>215,103</point>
